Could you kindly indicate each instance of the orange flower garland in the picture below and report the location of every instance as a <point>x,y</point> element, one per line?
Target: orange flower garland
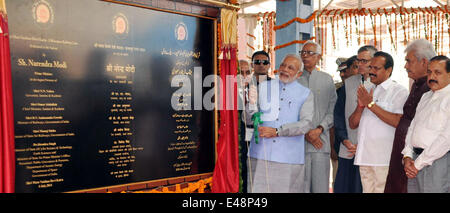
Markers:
<point>411,20</point>
<point>297,19</point>
<point>293,42</point>
<point>198,186</point>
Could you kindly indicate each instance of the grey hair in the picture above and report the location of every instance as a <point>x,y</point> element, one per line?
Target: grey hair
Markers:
<point>422,49</point>
<point>243,60</point>
<point>372,50</point>
<point>296,57</point>
<point>318,47</point>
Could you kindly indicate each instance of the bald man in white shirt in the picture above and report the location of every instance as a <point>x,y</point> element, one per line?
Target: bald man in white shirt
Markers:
<point>426,153</point>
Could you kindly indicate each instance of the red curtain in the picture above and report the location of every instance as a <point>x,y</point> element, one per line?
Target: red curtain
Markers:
<point>7,157</point>
<point>226,172</point>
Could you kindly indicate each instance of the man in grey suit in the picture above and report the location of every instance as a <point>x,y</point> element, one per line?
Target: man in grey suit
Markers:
<point>317,150</point>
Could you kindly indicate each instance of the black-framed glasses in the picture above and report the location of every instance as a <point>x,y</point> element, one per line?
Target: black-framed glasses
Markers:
<point>264,62</point>
<point>308,53</point>
<point>363,61</point>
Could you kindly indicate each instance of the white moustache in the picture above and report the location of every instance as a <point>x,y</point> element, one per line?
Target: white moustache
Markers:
<point>284,73</point>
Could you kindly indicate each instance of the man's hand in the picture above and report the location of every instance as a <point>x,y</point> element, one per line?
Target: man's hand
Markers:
<point>360,104</point>
<point>252,94</point>
<point>267,132</point>
<point>318,144</point>
<point>364,97</point>
<point>350,147</point>
<point>313,134</point>
<point>410,169</point>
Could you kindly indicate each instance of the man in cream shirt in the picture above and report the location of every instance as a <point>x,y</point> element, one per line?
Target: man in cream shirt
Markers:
<point>377,115</point>
<point>427,144</point>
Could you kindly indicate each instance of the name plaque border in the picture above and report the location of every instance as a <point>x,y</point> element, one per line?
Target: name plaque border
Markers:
<point>161,9</point>
<point>153,183</point>
<point>160,182</point>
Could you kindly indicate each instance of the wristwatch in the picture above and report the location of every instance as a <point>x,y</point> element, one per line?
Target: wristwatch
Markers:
<point>370,105</point>
<point>278,132</point>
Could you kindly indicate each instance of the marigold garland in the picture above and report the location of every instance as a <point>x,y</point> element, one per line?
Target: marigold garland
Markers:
<point>435,33</point>
<point>357,30</point>
<point>293,42</point>
<point>251,47</point>
<point>374,27</point>
<point>198,186</point>
<point>297,19</point>
<point>448,24</point>
<point>442,33</point>
<point>388,22</point>
<point>346,29</point>
<point>219,46</point>
<point>333,38</point>
<point>381,33</point>
<point>365,37</point>
<point>250,35</point>
<point>432,19</point>
<point>396,33</point>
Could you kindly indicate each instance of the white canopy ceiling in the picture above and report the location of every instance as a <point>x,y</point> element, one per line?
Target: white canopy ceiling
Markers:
<point>256,6</point>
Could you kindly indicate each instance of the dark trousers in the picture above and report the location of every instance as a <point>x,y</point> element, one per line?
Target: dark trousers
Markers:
<point>348,179</point>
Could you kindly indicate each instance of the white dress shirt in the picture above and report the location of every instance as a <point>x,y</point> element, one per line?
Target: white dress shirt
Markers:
<point>375,137</point>
<point>430,128</point>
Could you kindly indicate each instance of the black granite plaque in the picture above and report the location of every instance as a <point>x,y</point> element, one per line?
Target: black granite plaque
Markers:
<point>93,95</point>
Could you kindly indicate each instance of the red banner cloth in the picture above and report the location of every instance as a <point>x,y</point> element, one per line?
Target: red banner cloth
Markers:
<point>226,171</point>
<point>7,156</point>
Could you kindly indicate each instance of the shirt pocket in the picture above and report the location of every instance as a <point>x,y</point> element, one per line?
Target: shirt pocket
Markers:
<point>435,120</point>
<point>294,106</point>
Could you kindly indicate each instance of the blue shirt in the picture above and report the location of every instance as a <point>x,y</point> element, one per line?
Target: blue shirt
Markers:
<point>283,107</point>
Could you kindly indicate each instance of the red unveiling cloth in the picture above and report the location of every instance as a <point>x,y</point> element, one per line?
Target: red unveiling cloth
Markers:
<point>7,158</point>
<point>226,172</point>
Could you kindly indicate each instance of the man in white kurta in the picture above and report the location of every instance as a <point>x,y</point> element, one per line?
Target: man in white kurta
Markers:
<point>427,143</point>
<point>277,159</point>
<point>377,115</point>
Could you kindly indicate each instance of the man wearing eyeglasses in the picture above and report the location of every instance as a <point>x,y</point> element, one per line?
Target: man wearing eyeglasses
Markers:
<point>348,147</point>
<point>276,162</point>
<point>318,148</point>
<point>376,118</point>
